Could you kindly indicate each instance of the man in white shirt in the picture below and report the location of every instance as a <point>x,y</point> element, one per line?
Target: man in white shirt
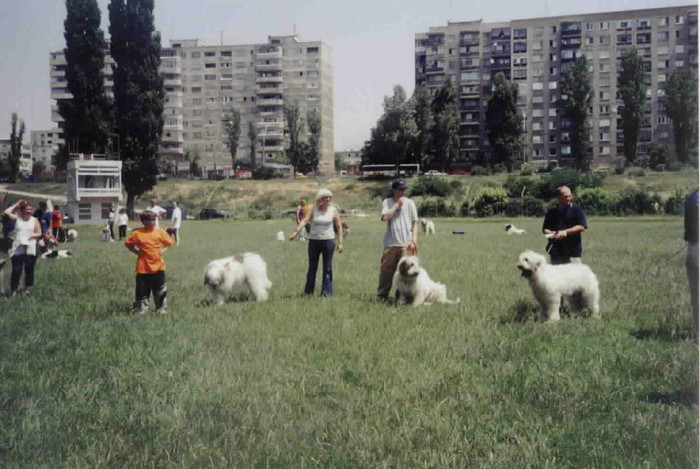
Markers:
<point>401,236</point>
<point>158,210</point>
<point>175,222</point>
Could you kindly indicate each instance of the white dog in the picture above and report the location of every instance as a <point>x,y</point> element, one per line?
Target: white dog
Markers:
<point>511,229</point>
<point>549,283</point>
<point>280,236</point>
<point>428,226</point>
<point>71,236</point>
<point>248,269</point>
<point>105,233</point>
<point>57,254</point>
<point>414,286</point>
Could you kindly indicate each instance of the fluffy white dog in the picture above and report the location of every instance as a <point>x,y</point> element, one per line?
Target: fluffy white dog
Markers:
<point>71,236</point>
<point>511,229</point>
<point>57,254</point>
<point>280,236</point>
<point>428,226</point>
<point>414,286</point>
<point>222,275</point>
<point>549,283</point>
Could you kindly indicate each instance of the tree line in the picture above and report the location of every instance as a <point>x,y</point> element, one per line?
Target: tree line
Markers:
<point>425,129</point>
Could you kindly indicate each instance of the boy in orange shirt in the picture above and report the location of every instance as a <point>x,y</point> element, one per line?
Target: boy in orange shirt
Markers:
<point>149,244</point>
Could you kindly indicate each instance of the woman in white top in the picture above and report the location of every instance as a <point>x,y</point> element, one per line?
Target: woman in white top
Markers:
<point>325,225</point>
<point>23,250</point>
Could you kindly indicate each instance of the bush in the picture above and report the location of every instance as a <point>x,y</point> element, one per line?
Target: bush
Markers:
<point>675,166</point>
<point>436,207</point>
<point>431,186</point>
<point>547,188</point>
<point>381,191</point>
<point>660,167</point>
<point>490,202</point>
<point>464,209</point>
<point>637,201</point>
<point>514,185</point>
<point>642,161</point>
<point>480,171</point>
<point>531,207</point>
<point>265,172</point>
<point>596,201</point>
<point>527,169</point>
<point>675,203</point>
<point>636,172</point>
<point>499,168</point>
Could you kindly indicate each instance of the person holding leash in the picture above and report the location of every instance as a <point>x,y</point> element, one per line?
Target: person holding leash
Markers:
<point>563,226</point>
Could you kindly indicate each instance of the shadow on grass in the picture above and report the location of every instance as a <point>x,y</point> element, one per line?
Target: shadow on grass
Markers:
<point>686,397</point>
<point>664,333</point>
<point>522,311</point>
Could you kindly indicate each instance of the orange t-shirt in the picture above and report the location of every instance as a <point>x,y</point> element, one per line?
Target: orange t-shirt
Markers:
<point>56,219</point>
<point>149,243</point>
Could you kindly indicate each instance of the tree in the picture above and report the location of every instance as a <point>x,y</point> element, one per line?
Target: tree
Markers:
<point>88,118</point>
<point>138,93</point>
<point>445,131</point>
<point>682,107</point>
<point>576,99</point>
<point>423,116</point>
<point>394,134</point>
<point>253,137</point>
<point>504,122</point>
<point>233,132</point>
<point>313,147</point>
<point>193,157</point>
<point>295,150</point>
<point>16,137</point>
<point>630,85</point>
<point>38,167</point>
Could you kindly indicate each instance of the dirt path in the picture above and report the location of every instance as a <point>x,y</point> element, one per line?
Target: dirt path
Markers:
<point>57,198</point>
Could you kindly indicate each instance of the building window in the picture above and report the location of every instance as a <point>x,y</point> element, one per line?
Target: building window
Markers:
<point>604,25</point>
<point>552,57</point>
<point>589,26</point>
<point>624,24</point>
<point>537,45</point>
<point>604,67</point>
<point>662,21</point>
<point>195,55</point>
<point>679,49</point>
<point>552,112</point>
<point>680,19</point>
<point>552,85</point>
<point>589,40</point>
<point>536,126</point>
<point>210,77</point>
<point>84,211</point>
<point>553,151</point>
<point>209,53</point>
<point>537,85</point>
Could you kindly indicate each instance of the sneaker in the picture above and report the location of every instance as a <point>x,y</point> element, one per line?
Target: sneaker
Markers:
<point>27,293</point>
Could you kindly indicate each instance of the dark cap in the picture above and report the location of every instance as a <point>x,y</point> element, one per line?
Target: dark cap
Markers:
<point>399,185</point>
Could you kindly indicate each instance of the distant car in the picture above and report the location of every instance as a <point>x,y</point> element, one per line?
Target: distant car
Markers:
<point>433,172</point>
<point>216,177</point>
<point>355,213</point>
<point>213,213</point>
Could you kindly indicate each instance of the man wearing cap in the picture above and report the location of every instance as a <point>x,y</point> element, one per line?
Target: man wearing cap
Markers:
<point>401,236</point>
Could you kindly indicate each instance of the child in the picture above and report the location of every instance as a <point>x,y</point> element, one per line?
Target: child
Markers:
<point>122,222</point>
<point>149,244</point>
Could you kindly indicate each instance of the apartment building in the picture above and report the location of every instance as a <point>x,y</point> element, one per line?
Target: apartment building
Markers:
<point>532,53</point>
<point>44,144</point>
<point>203,83</point>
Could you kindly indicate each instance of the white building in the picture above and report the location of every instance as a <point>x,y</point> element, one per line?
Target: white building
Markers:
<point>94,186</point>
<point>44,144</point>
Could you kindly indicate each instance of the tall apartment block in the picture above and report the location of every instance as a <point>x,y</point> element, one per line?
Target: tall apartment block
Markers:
<point>532,53</point>
<point>203,82</point>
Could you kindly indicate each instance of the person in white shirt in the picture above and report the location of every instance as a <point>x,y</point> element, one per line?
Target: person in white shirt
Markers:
<point>122,222</point>
<point>176,222</point>
<point>110,223</point>
<point>401,236</point>
<point>325,226</point>
<point>158,210</point>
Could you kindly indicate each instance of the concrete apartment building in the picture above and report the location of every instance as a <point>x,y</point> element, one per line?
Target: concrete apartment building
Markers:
<point>44,144</point>
<point>532,53</point>
<point>203,82</point>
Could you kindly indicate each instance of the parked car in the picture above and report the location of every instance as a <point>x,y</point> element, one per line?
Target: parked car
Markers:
<point>460,172</point>
<point>216,177</point>
<point>213,213</point>
<point>433,172</point>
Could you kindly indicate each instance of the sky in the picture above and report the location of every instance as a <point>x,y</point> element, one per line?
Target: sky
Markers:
<point>372,43</point>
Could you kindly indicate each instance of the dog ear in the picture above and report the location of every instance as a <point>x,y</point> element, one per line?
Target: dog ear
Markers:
<point>536,264</point>
<point>227,266</point>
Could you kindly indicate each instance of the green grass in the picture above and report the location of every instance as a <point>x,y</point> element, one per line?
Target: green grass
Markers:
<point>348,381</point>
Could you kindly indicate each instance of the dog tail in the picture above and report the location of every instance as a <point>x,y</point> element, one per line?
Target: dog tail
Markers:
<point>452,302</point>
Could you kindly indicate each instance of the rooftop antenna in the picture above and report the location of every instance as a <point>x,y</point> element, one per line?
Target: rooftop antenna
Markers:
<point>295,29</point>
<point>222,37</point>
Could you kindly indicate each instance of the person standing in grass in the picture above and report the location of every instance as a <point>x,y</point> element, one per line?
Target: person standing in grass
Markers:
<point>149,244</point>
<point>56,222</point>
<point>110,221</point>
<point>565,223</point>
<point>325,222</point>
<point>176,222</point>
<point>122,223</point>
<point>401,236</point>
<point>23,250</point>
<point>157,210</point>
<point>302,211</point>
<point>691,258</point>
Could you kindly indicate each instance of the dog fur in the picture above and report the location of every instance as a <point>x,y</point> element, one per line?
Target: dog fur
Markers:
<point>71,236</point>
<point>57,254</point>
<point>414,286</point>
<point>428,226</point>
<point>511,229</point>
<point>280,236</point>
<point>222,275</point>
<point>550,283</point>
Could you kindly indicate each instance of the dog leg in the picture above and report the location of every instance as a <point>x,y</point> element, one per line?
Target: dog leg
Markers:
<point>218,297</point>
<point>591,299</point>
<point>551,310</point>
<point>257,286</point>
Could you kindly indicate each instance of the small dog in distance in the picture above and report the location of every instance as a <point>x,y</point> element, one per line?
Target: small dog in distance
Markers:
<point>428,226</point>
<point>511,229</point>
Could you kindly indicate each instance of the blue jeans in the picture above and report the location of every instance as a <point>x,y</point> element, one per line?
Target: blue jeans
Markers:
<point>316,249</point>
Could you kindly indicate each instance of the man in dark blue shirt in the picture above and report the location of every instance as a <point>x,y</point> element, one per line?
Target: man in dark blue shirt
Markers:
<point>564,225</point>
<point>691,259</point>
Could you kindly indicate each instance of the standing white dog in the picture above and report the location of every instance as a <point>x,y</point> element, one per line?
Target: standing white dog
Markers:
<point>248,269</point>
<point>71,236</point>
<point>549,283</point>
<point>414,286</point>
<point>511,229</point>
<point>428,226</point>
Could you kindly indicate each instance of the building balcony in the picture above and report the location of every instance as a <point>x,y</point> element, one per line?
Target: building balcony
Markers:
<point>277,124</point>
<point>268,90</point>
<point>60,94</point>
<point>269,53</point>
<point>172,81</point>
<point>434,69</point>
<point>259,80</point>
<point>268,67</point>
<point>270,102</point>
<point>271,114</point>
<point>270,149</point>
<point>101,192</point>
<point>172,137</point>
<point>271,133</point>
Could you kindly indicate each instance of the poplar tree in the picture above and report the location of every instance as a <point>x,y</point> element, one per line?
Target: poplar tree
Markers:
<point>233,132</point>
<point>295,150</point>
<point>253,138</point>
<point>138,93</point>
<point>445,131</point>
<point>682,107</point>
<point>87,115</point>
<point>16,137</point>
<point>576,98</point>
<point>504,122</point>
<point>312,149</point>
<point>630,85</point>
<point>423,115</point>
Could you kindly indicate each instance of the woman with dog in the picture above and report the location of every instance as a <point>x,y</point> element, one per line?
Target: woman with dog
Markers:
<point>325,222</point>
<point>23,250</point>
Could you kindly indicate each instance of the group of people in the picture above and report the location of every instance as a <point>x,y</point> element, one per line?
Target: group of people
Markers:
<point>29,233</point>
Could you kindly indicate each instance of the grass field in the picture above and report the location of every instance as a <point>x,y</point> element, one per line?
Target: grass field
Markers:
<point>348,381</point>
